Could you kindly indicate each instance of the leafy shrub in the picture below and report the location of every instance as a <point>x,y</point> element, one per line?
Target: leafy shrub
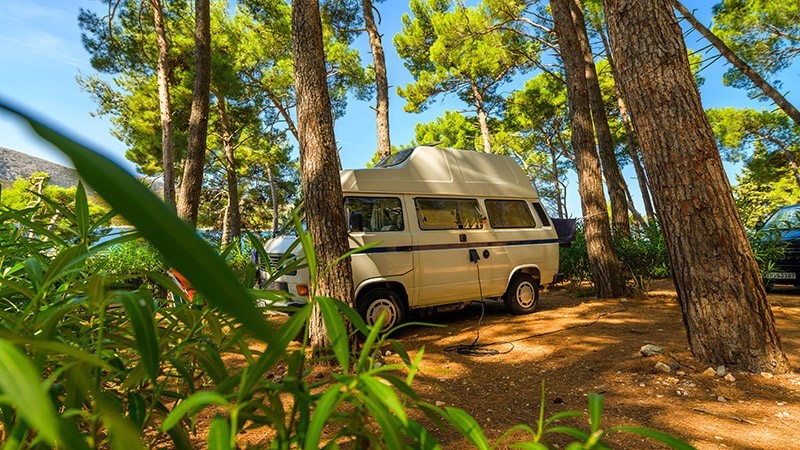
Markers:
<point>644,255</point>
<point>768,248</point>
<point>574,260</point>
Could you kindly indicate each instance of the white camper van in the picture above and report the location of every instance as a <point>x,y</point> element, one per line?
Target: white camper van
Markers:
<point>453,226</point>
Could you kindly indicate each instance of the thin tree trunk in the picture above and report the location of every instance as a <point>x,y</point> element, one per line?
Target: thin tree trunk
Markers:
<point>233,216</point>
<point>273,192</point>
<point>606,270</point>
<point>630,134</point>
<point>381,80</point>
<point>724,305</point>
<point>192,180</point>
<point>483,119</point>
<point>605,143</point>
<point>637,216</point>
<point>164,105</point>
<point>743,67</point>
<point>319,161</point>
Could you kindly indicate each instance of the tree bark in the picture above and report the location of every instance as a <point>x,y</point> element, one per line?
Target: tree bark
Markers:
<point>483,119</point>
<point>164,105</point>
<point>743,67</point>
<point>192,180</point>
<point>273,192</point>
<point>630,133</point>
<point>233,217</point>
<point>725,310</point>
<point>606,269</point>
<point>381,80</point>
<point>605,143</point>
<point>319,161</point>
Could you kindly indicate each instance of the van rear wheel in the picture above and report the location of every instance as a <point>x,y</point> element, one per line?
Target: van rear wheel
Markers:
<point>382,301</point>
<point>522,294</point>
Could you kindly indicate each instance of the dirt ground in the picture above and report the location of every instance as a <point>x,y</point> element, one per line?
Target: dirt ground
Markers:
<point>581,345</point>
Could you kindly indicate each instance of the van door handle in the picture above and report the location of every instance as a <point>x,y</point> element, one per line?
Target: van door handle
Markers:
<point>462,237</point>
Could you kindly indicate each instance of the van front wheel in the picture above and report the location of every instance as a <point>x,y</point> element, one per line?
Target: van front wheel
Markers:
<point>522,294</point>
<point>382,301</point>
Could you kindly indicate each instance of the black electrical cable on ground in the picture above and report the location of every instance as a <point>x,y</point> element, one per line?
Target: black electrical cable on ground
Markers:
<point>475,349</point>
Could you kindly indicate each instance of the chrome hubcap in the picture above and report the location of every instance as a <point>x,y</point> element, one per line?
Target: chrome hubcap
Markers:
<point>382,306</point>
<point>526,295</point>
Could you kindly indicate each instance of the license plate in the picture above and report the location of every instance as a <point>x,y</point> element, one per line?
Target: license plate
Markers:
<point>780,275</point>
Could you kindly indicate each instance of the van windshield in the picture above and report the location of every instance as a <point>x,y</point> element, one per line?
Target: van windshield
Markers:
<point>787,218</point>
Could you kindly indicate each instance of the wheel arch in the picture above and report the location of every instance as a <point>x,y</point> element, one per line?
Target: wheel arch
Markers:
<point>532,270</point>
<point>366,287</point>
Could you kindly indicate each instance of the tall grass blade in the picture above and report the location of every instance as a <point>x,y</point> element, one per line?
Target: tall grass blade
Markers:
<point>219,434</point>
<point>22,388</point>
<point>337,332</point>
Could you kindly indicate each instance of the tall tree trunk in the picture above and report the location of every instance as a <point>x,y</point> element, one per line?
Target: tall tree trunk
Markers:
<point>606,269</point>
<point>381,80</point>
<point>192,180</point>
<point>273,192</point>
<point>164,105</point>
<point>483,119</point>
<point>725,310</point>
<point>630,134</point>
<point>743,67</point>
<point>605,143</point>
<point>319,161</point>
<point>233,216</point>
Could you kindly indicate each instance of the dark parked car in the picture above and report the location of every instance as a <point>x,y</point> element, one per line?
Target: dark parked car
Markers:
<point>785,223</point>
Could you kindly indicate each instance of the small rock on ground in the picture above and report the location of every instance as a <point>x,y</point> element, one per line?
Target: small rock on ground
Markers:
<point>650,350</point>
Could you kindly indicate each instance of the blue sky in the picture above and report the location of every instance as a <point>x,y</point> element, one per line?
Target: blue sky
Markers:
<point>41,55</point>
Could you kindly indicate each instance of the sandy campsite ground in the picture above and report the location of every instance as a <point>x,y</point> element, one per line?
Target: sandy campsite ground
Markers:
<point>581,345</point>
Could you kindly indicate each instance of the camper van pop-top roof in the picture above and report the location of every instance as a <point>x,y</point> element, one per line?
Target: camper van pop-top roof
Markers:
<point>442,171</point>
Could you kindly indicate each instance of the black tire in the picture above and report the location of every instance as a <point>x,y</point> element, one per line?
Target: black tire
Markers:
<point>522,294</point>
<point>382,300</point>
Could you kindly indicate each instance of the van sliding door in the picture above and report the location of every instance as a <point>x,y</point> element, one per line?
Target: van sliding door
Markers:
<point>447,228</point>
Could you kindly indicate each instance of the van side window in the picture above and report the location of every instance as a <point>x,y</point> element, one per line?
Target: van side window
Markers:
<point>541,213</point>
<point>374,214</point>
<point>449,213</point>
<point>509,214</point>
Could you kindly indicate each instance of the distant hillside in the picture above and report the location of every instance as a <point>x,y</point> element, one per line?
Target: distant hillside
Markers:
<point>14,165</point>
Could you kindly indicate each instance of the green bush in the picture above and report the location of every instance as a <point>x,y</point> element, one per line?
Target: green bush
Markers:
<point>574,260</point>
<point>644,256</point>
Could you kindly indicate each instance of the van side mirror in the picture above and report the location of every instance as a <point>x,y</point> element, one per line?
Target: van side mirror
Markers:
<point>356,221</point>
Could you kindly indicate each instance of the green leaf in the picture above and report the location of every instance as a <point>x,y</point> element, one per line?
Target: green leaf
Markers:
<point>219,434</point>
<point>137,409</point>
<point>353,316</point>
<point>595,411</point>
<point>180,438</point>
<point>467,426</point>
<point>175,239</point>
<point>562,415</point>
<point>144,331</point>
<point>211,362</point>
<point>326,405</point>
<point>664,438</point>
<point>569,431</point>
<point>387,422</point>
<point>337,331</point>
<point>197,400</point>
<point>385,395</point>
<point>82,212</point>
<point>21,386</point>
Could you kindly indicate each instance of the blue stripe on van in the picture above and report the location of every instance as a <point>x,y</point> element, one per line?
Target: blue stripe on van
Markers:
<point>414,248</point>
